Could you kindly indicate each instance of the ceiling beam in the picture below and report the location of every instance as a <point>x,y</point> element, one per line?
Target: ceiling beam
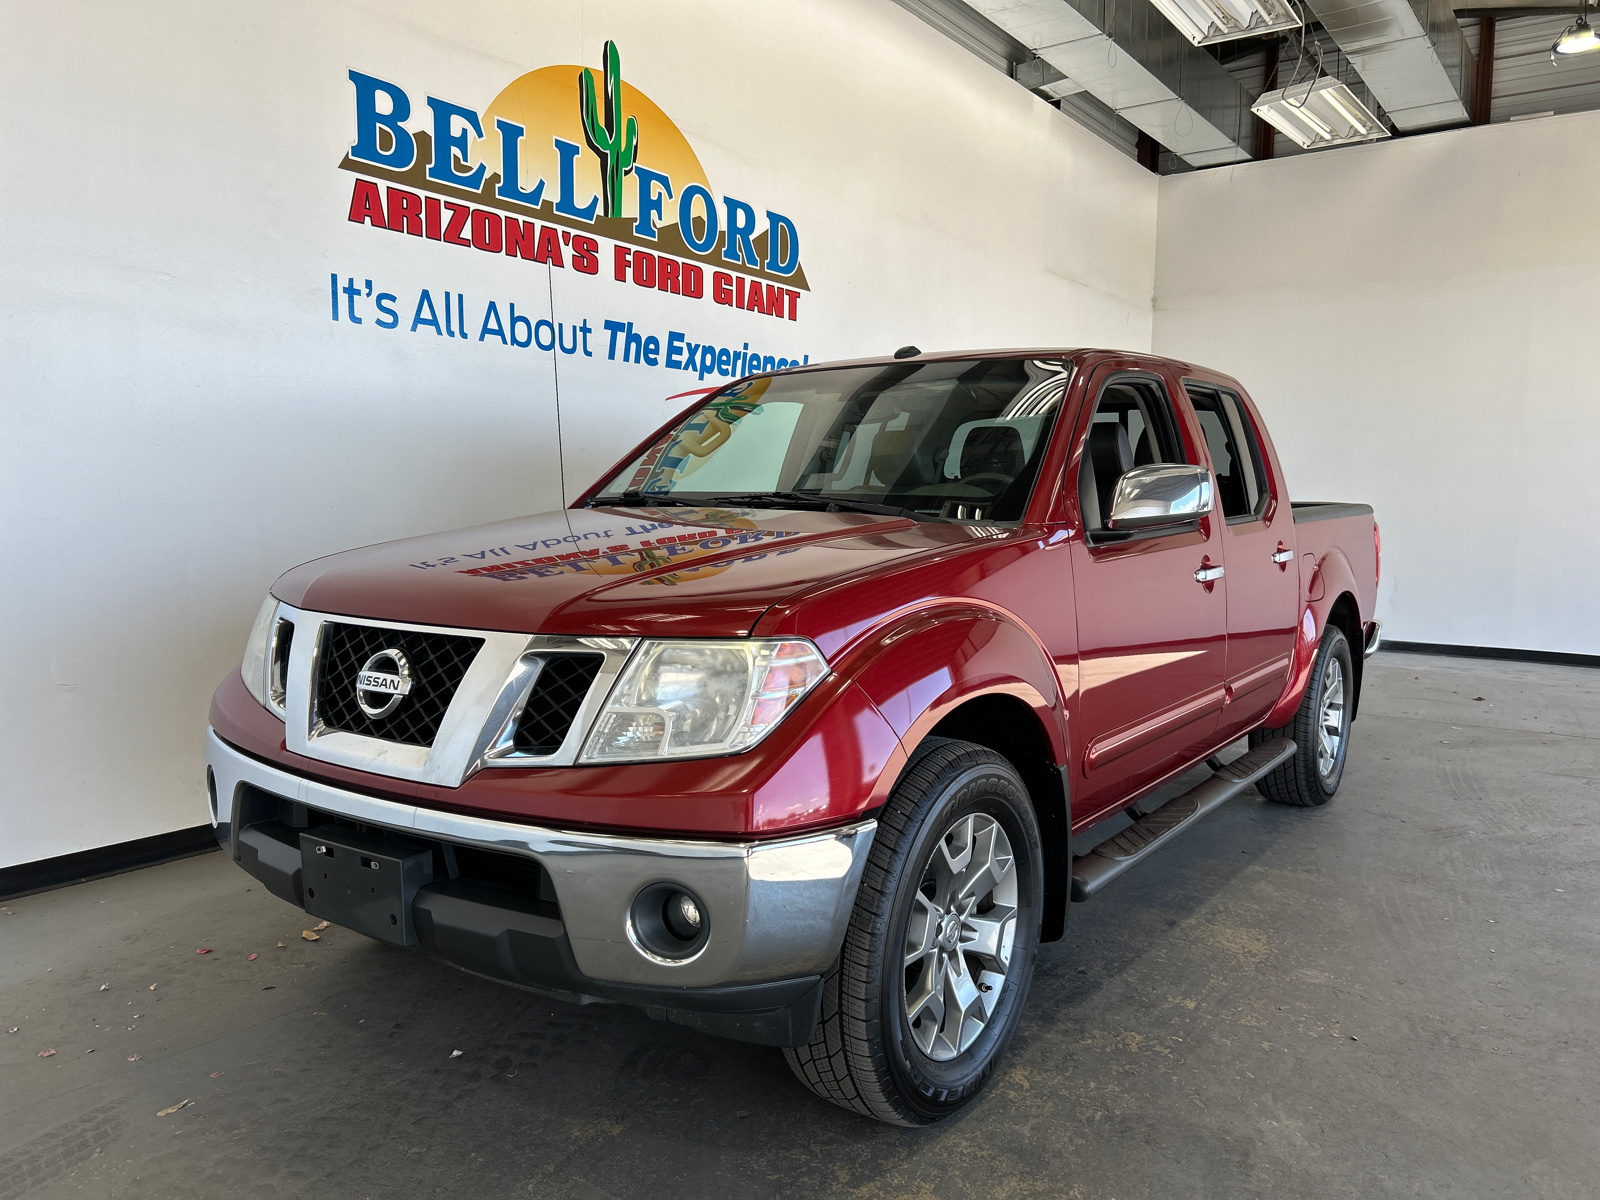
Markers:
<point>1483,86</point>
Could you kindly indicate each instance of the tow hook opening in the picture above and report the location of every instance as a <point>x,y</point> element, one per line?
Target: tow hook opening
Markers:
<point>668,922</point>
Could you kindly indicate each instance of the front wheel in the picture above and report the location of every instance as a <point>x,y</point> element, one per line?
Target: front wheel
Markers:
<point>1320,729</point>
<point>931,980</point>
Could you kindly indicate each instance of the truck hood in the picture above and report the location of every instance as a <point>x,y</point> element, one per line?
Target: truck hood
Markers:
<point>690,572</point>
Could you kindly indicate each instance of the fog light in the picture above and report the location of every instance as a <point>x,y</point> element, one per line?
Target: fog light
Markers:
<point>668,923</point>
<point>683,916</point>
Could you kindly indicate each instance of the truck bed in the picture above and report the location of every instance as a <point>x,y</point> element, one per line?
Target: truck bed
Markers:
<point>1329,530</point>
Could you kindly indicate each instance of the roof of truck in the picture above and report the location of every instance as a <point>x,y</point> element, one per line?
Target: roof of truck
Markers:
<point>1072,352</point>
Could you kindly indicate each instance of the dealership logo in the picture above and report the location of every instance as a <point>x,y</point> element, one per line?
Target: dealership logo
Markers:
<point>559,164</point>
<point>379,690</point>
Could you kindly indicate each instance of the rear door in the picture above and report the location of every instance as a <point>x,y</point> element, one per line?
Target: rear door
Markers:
<point>1150,634</point>
<point>1262,581</point>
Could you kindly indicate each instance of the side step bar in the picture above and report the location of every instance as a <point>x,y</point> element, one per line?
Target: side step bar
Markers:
<point>1149,833</point>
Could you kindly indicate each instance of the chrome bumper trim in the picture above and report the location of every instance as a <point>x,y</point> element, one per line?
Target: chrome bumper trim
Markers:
<point>777,909</point>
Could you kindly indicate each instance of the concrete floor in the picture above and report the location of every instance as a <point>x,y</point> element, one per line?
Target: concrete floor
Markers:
<point>1397,995</point>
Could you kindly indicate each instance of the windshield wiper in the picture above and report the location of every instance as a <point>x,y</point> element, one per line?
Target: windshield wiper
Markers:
<point>811,500</point>
<point>643,500</point>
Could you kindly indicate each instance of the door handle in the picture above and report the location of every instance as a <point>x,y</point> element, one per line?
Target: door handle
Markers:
<point>1283,556</point>
<point>1208,574</point>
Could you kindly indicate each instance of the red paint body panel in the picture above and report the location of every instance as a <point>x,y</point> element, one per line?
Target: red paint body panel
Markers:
<point>1132,670</point>
<point>1152,641</point>
<point>1262,595</point>
<point>1327,549</point>
<point>684,572</point>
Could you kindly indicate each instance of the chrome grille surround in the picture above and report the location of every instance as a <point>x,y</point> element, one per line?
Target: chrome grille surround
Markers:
<point>478,727</point>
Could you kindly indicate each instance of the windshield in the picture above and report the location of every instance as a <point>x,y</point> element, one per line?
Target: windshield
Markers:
<point>960,440</point>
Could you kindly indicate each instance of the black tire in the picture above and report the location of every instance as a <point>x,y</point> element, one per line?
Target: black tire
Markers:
<point>866,1055</point>
<point>1312,776</point>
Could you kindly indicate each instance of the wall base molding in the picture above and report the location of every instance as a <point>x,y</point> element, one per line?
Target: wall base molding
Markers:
<point>1538,656</point>
<point>25,879</point>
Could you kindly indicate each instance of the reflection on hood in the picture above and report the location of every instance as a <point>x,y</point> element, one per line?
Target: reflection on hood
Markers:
<point>652,555</point>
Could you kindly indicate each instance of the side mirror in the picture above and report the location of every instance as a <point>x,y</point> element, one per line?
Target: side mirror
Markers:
<point>1160,494</point>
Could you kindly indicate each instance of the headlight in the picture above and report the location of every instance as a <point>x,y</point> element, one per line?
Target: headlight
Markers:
<point>254,667</point>
<point>266,656</point>
<point>695,699</point>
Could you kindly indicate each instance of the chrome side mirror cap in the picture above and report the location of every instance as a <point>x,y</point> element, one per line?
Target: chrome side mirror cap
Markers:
<point>1160,494</point>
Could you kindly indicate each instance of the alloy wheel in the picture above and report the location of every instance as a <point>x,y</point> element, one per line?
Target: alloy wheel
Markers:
<point>958,946</point>
<point>1330,718</point>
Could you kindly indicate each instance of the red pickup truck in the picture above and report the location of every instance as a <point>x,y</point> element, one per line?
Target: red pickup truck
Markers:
<point>792,728</point>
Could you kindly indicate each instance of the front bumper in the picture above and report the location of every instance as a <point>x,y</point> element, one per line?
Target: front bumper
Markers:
<point>775,911</point>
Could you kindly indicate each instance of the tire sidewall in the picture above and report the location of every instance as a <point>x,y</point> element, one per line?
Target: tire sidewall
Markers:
<point>1335,645</point>
<point>934,1089</point>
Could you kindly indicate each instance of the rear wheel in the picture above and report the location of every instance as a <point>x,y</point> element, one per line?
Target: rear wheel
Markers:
<point>1320,729</point>
<point>935,967</point>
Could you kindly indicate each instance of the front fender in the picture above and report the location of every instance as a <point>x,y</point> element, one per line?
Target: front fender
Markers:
<point>921,665</point>
<point>1321,585</point>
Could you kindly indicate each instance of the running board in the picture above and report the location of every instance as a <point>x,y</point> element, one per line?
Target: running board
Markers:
<point>1149,833</point>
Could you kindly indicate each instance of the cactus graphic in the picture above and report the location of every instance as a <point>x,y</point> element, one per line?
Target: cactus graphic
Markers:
<point>616,144</point>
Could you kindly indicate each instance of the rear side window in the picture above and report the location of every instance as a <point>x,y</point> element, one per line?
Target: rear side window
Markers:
<point>1133,426</point>
<point>1235,456</point>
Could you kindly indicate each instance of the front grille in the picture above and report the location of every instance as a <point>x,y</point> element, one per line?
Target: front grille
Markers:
<point>554,702</point>
<point>438,661</point>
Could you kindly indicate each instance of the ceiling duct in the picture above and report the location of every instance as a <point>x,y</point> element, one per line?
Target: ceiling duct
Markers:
<point>1411,54</point>
<point>966,28</point>
<point>1132,59</point>
<point>1038,75</point>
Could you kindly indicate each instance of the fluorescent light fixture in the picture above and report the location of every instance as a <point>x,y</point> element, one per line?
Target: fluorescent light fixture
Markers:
<point>1324,113</point>
<point>1575,39</point>
<point>1207,21</point>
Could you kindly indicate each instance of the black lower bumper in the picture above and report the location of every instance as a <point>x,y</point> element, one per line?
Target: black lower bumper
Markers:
<point>505,928</point>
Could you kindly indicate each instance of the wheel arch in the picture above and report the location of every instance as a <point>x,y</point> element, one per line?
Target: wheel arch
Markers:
<point>1346,617</point>
<point>1329,596</point>
<point>1004,724</point>
<point>975,673</point>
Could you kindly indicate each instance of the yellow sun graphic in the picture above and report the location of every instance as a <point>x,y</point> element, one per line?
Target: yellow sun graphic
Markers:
<point>546,104</point>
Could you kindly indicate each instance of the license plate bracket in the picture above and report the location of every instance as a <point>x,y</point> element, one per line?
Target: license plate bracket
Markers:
<point>363,882</point>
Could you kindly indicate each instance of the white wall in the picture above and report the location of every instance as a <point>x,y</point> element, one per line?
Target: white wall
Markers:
<point>1416,320</point>
<point>181,419</point>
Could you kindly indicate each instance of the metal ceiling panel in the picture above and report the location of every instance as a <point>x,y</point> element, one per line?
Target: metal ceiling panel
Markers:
<point>1525,80</point>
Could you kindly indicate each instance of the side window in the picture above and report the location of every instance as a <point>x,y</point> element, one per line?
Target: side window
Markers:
<point>1132,426</point>
<point>1235,457</point>
<point>1250,448</point>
